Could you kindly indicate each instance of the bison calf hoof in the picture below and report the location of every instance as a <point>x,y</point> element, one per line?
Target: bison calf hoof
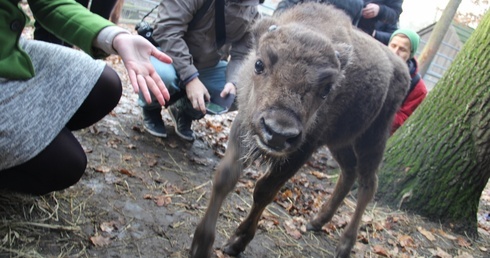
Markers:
<point>311,227</point>
<point>234,246</point>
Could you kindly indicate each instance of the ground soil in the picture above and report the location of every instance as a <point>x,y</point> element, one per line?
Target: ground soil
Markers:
<point>143,196</point>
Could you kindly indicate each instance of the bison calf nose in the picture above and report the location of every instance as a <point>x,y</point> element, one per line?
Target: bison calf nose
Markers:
<point>280,134</point>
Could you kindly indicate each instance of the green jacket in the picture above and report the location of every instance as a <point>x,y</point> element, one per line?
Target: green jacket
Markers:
<point>65,18</point>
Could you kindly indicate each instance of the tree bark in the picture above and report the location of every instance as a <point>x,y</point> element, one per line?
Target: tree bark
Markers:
<point>435,39</point>
<point>438,163</point>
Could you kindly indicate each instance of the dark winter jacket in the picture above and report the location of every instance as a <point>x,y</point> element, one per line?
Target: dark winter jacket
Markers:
<point>196,48</point>
<point>389,12</point>
<point>351,7</point>
<point>414,98</point>
<point>383,31</point>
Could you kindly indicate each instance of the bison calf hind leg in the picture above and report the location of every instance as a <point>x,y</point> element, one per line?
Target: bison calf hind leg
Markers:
<point>347,162</point>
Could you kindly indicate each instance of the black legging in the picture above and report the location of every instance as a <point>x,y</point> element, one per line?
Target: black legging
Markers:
<point>63,162</point>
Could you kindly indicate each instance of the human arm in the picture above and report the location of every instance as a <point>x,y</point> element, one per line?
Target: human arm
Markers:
<point>71,22</point>
<point>413,100</point>
<point>389,11</point>
<point>75,24</point>
<point>171,32</point>
<point>170,28</point>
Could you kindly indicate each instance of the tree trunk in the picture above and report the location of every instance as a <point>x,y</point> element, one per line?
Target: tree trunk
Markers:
<point>116,12</point>
<point>442,26</point>
<point>438,163</point>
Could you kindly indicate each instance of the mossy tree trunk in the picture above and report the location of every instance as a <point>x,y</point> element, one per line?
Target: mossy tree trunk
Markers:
<point>438,163</point>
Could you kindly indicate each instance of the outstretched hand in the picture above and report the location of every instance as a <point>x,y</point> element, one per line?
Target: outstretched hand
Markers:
<point>135,52</point>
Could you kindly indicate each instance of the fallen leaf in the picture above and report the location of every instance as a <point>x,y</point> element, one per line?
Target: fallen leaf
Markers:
<point>162,200</point>
<point>441,253</point>
<point>137,129</point>
<point>102,169</point>
<point>379,250</point>
<point>463,255</point>
<point>219,254</point>
<point>406,241</point>
<point>463,243</point>
<point>125,172</point>
<point>152,162</point>
<point>426,233</point>
<point>108,226</point>
<point>446,235</point>
<point>291,229</point>
<point>100,241</point>
<point>319,175</point>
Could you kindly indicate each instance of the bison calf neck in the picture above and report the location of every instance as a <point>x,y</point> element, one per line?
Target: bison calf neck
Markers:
<point>310,80</point>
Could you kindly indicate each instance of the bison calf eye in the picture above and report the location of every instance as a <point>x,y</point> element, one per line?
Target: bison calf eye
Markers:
<point>259,67</point>
<point>326,90</point>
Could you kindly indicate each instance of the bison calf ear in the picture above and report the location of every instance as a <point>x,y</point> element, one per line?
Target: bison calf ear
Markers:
<point>344,54</point>
<point>262,27</point>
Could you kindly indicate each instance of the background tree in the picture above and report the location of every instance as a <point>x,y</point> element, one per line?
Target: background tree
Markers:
<point>435,39</point>
<point>438,163</point>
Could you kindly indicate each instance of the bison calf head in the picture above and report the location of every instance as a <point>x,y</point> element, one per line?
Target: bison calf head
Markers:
<point>288,76</point>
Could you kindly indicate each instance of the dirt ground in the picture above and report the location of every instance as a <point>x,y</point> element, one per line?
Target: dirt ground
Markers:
<point>143,196</point>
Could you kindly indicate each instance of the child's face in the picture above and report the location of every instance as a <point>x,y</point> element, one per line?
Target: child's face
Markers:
<point>400,46</point>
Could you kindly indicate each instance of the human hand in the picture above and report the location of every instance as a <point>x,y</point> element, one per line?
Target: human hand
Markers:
<point>229,89</point>
<point>197,94</point>
<point>370,11</point>
<point>135,52</point>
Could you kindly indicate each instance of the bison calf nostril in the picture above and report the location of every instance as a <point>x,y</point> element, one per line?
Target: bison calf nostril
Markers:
<point>278,136</point>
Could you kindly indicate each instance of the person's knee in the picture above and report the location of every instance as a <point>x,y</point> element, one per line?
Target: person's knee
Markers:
<point>113,85</point>
<point>168,74</point>
<point>77,169</point>
<point>70,165</point>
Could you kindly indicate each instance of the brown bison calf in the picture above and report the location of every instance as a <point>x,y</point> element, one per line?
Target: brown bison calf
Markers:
<point>310,80</point>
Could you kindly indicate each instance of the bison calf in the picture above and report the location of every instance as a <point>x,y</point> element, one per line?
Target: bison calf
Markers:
<point>310,80</point>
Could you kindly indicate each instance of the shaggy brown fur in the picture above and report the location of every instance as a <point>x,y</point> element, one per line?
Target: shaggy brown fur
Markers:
<point>311,80</point>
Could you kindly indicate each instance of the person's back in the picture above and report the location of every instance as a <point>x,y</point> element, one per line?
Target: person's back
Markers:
<point>351,7</point>
<point>382,31</point>
<point>198,69</point>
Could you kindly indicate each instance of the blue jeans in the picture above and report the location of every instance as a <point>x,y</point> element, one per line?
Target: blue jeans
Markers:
<point>214,78</point>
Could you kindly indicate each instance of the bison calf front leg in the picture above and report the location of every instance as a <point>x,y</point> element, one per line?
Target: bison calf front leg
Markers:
<point>264,192</point>
<point>226,177</point>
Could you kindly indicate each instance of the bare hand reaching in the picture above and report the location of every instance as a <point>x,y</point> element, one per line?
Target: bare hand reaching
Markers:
<point>135,52</point>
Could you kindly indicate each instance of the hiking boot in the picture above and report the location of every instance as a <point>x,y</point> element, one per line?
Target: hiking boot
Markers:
<point>182,123</point>
<point>153,123</point>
